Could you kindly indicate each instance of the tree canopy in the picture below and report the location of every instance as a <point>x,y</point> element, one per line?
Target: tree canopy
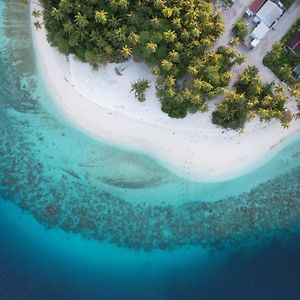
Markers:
<point>172,36</point>
<point>175,38</point>
<point>252,98</point>
<point>240,29</point>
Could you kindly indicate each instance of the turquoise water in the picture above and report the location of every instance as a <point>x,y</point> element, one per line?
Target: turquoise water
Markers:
<point>81,219</point>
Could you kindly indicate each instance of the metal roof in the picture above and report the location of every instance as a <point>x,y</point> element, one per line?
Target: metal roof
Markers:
<point>256,5</point>
<point>269,13</point>
<point>260,31</point>
<point>296,71</point>
<point>294,42</point>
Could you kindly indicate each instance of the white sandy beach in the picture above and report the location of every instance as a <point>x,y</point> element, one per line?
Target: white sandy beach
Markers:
<point>100,103</point>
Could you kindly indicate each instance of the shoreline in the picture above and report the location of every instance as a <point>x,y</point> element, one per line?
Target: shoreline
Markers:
<point>99,104</point>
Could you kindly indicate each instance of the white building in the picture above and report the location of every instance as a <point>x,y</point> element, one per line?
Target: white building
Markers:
<point>260,31</point>
<point>269,13</point>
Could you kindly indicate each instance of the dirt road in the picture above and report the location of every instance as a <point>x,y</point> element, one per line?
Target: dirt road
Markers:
<point>256,55</point>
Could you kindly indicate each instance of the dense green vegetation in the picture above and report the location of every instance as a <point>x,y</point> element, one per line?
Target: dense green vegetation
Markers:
<point>296,93</point>
<point>175,39</point>
<point>251,98</point>
<point>281,61</point>
<point>240,29</point>
<point>172,36</point>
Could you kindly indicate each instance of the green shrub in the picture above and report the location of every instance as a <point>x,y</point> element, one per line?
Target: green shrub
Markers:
<point>232,112</point>
<point>240,29</point>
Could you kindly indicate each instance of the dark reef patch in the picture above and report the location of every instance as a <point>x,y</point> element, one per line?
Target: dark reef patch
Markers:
<point>76,205</point>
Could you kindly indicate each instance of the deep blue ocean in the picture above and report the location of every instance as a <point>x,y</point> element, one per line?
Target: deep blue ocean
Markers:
<point>82,219</point>
<point>39,263</point>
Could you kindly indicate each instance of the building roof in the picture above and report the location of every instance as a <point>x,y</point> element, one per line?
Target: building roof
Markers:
<point>269,13</point>
<point>260,31</point>
<point>294,42</point>
<point>256,5</point>
<point>254,43</point>
<point>296,71</point>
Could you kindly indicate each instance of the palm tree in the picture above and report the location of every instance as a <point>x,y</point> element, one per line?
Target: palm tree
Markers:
<point>134,38</point>
<point>196,32</point>
<point>296,92</point>
<point>280,88</point>
<point>177,23</point>
<point>101,16</point>
<point>286,118</point>
<point>139,87</point>
<point>68,27</point>
<point>81,20</point>
<point>170,81</point>
<point>166,65</point>
<point>207,41</point>
<point>176,11</point>
<point>133,18</point>
<point>66,6</point>
<point>56,14</point>
<point>185,35</point>
<point>192,70</point>
<point>113,4</point>
<point>191,14</point>
<point>285,73</point>
<point>170,91</point>
<point>152,47</point>
<point>97,40</point>
<point>108,50</point>
<point>119,34</point>
<point>37,25</point>
<point>123,4</point>
<point>179,46</point>
<point>155,70</point>
<point>155,22</point>
<point>234,42</point>
<point>126,52</point>
<point>167,12</point>
<point>36,13</point>
<point>239,59</point>
<point>118,4</point>
<point>249,83</point>
<point>174,56</point>
<point>113,22</point>
<point>159,4</point>
<point>169,36</point>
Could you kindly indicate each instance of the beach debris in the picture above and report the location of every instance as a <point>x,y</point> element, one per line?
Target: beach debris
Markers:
<point>118,71</point>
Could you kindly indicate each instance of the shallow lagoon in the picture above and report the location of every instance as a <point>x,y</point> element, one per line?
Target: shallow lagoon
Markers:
<point>48,169</point>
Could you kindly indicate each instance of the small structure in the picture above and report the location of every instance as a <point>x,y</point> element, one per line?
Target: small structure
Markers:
<point>296,72</point>
<point>260,31</point>
<point>254,43</point>
<point>258,34</point>
<point>268,13</point>
<point>293,44</point>
<point>254,7</point>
